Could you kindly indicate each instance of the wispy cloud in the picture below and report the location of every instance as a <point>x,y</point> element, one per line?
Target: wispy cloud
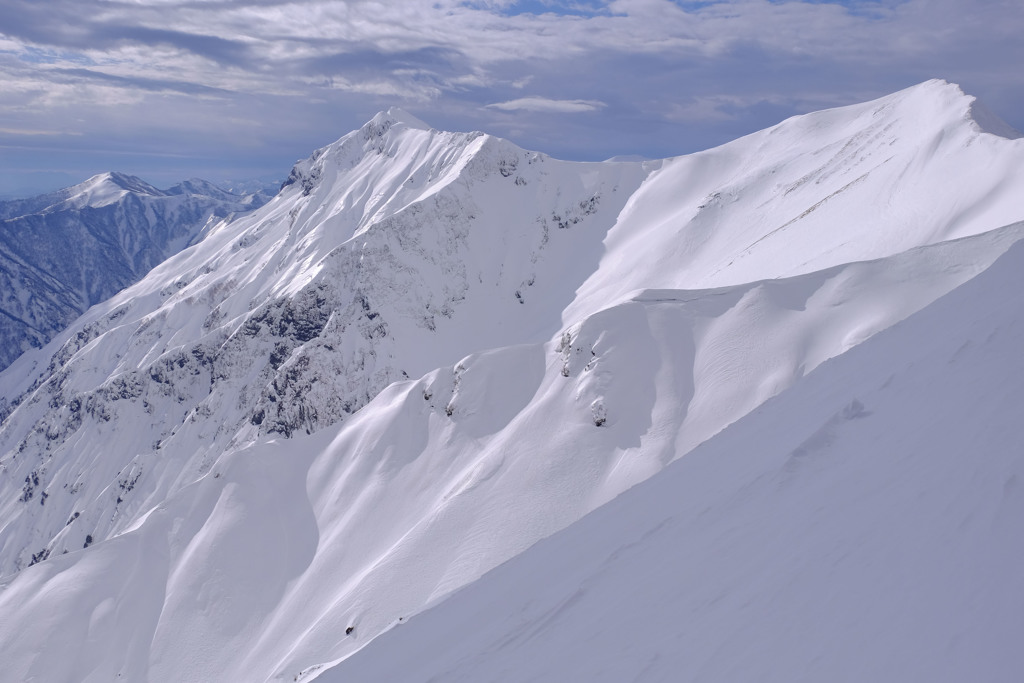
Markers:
<point>543,104</point>
<point>33,132</point>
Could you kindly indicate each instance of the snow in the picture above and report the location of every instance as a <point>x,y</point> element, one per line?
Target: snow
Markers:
<point>863,525</point>
<point>63,252</point>
<point>432,350</point>
<point>106,188</point>
<point>801,196</point>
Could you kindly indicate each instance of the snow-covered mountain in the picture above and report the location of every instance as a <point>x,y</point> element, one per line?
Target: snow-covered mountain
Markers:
<point>863,526</point>
<point>433,349</point>
<point>62,252</point>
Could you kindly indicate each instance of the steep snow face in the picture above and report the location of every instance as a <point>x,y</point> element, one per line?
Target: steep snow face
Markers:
<point>909,169</point>
<point>63,252</point>
<point>579,354</point>
<point>864,525</point>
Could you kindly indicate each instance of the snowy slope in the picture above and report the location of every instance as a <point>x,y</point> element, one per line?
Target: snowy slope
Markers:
<point>62,252</point>
<point>909,169</point>
<point>581,349</point>
<point>256,571</point>
<point>863,526</point>
<point>392,252</point>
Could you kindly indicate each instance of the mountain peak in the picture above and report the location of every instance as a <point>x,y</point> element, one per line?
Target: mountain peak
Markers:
<point>938,96</point>
<point>937,90</point>
<point>123,181</point>
<point>394,118</point>
<point>931,114</point>
<point>389,134</point>
<point>108,187</point>
<point>397,115</point>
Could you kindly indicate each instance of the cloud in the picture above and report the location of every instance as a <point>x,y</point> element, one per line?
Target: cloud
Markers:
<point>725,107</point>
<point>658,77</point>
<point>30,132</point>
<point>543,104</point>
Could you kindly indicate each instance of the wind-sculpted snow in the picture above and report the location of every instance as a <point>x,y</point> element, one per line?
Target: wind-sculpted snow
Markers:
<point>864,525</point>
<point>284,545</point>
<point>63,252</point>
<point>241,441</point>
<point>910,169</point>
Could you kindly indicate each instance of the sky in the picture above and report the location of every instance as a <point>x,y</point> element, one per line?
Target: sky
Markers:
<point>234,90</point>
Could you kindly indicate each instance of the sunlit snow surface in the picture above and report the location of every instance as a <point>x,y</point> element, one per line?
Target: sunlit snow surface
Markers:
<point>487,344</point>
<point>863,526</point>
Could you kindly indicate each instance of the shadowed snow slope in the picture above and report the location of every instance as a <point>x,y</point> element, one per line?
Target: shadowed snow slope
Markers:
<point>863,526</point>
<point>219,471</point>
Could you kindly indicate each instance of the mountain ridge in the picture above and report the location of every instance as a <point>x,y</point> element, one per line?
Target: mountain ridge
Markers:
<point>874,521</point>
<point>373,140</point>
<point>483,344</point>
<point>63,252</point>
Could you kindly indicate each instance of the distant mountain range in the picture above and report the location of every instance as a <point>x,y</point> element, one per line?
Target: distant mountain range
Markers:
<point>732,390</point>
<point>62,252</point>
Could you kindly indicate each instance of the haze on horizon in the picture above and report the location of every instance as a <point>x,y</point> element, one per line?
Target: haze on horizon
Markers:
<point>239,89</point>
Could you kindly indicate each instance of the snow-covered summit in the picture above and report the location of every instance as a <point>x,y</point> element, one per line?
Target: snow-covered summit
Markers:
<point>398,116</point>
<point>96,192</point>
<point>845,184</point>
<point>106,188</point>
<point>100,190</point>
<point>401,138</point>
<point>956,102</point>
<point>431,349</point>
